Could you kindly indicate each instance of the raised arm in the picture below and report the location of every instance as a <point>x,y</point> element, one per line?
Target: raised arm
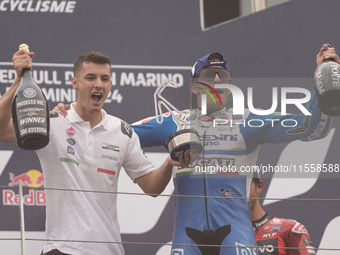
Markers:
<point>303,127</point>
<point>22,60</point>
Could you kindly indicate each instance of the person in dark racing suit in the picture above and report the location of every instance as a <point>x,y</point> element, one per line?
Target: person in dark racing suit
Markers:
<point>212,213</point>
<point>277,236</point>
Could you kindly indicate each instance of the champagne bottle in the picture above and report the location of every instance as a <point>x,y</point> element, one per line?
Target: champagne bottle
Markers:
<point>327,87</point>
<point>30,113</point>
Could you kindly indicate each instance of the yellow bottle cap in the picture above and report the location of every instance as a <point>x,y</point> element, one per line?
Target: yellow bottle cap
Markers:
<point>24,46</point>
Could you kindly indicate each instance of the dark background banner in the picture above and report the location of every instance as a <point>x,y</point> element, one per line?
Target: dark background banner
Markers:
<point>153,41</point>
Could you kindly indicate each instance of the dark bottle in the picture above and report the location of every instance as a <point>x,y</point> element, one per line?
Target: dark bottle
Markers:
<point>30,113</point>
<point>327,87</point>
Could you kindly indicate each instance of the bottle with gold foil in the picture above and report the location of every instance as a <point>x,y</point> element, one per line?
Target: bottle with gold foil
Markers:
<point>30,113</point>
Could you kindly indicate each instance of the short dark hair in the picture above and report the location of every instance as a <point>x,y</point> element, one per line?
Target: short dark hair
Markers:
<point>90,57</point>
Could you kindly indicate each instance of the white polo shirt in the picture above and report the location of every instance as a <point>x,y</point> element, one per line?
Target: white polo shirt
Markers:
<point>81,158</point>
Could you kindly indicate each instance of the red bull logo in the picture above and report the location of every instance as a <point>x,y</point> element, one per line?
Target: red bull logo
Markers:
<point>32,178</point>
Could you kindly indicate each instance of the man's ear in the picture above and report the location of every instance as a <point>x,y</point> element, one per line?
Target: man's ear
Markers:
<point>260,186</point>
<point>193,88</point>
<point>74,83</point>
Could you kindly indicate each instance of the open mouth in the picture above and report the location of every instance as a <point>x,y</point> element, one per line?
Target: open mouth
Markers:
<point>96,97</point>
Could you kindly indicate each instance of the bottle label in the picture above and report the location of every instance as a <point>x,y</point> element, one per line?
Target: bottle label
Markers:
<point>327,77</point>
<point>31,113</point>
<point>319,82</point>
<point>335,75</point>
<point>327,87</point>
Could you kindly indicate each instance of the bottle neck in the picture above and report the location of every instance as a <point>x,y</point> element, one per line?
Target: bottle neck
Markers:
<point>27,78</point>
<point>27,74</point>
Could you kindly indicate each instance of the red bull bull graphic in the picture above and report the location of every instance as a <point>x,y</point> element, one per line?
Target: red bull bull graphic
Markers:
<point>33,179</point>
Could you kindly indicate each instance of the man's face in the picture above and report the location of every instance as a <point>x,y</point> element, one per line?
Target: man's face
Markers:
<point>208,77</point>
<point>93,84</point>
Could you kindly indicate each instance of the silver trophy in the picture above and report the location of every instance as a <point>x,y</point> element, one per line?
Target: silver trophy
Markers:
<point>185,138</point>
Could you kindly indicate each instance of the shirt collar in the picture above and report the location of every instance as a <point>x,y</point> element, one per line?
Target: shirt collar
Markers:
<point>74,117</point>
<point>260,222</point>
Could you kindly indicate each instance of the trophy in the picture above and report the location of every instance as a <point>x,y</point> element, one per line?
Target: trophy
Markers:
<point>185,138</point>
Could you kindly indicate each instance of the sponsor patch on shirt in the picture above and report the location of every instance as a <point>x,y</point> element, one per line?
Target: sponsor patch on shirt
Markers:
<point>71,141</point>
<point>177,252</point>
<point>261,223</point>
<point>70,150</point>
<point>109,157</point>
<point>126,129</point>
<point>226,192</point>
<point>311,250</point>
<point>110,147</point>
<point>276,228</point>
<point>299,229</point>
<point>244,249</point>
<point>308,242</point>
<point>71,131</point>
<point>267,247</point>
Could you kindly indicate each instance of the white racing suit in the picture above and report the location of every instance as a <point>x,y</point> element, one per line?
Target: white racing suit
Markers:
<point>211,196</point>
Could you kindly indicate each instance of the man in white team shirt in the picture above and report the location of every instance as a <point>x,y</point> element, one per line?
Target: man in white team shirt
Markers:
<point>86,152</point>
